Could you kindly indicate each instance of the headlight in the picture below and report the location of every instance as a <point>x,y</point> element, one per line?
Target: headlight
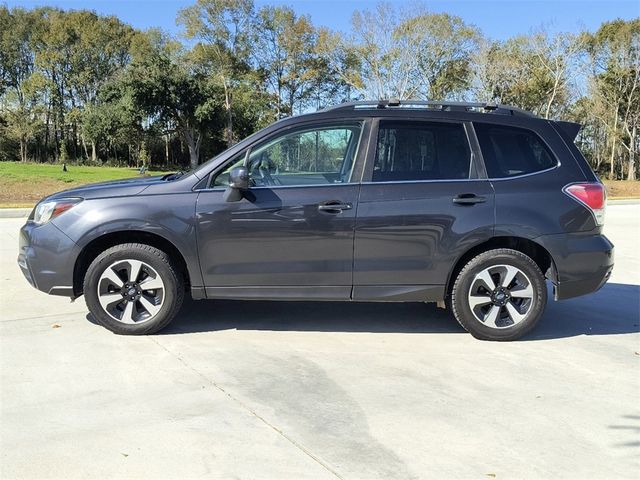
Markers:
<point>45,211</point>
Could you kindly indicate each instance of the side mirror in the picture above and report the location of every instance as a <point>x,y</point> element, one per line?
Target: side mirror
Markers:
<point>238,183</point>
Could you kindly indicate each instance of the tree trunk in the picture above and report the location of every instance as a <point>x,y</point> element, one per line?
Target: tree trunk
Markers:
<point>613,147</point>
<point>553,97</point>
<point>93,151</point>
<point>193,145</point>
<point>46,128</point>
<point>166,149</point>
<point>193,155</point>
<point>631,175</point>
<point>23,149</point>
<point>74,129</point>
<point>84,146</point>
<point>227,105</point>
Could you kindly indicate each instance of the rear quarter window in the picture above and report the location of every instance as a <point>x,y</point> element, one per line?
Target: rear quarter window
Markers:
<point>512,151</point>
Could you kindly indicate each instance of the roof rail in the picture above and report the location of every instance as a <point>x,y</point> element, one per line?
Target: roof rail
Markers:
<point>484,107</point>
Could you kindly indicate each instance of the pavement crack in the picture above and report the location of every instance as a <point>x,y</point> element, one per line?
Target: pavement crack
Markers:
<point>247,408</point>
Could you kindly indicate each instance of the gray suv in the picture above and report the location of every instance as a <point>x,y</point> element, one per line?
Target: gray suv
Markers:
<point>472,206</point>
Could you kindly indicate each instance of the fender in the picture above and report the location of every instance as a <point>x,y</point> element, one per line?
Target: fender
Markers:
<point>173,220</point>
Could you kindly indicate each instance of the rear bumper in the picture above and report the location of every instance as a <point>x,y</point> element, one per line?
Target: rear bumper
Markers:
<point>583,262</point>
<point>46,257</point>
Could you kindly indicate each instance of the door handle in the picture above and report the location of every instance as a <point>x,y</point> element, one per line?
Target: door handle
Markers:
<point>468,199</point>
<point>334,207</point>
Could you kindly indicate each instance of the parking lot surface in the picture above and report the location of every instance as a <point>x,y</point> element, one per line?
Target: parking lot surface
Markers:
<point>303,390</point>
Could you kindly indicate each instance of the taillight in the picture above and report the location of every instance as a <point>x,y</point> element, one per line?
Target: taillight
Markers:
<point>592,196</point>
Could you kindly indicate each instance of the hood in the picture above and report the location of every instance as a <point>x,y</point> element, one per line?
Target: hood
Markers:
<point>114,188</point>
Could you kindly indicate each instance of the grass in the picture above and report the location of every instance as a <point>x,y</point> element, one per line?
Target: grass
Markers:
<point>23,184</point>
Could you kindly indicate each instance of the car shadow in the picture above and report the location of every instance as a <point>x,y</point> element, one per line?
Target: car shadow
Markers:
<point>615,309</point>
<point>612,310</point>
<point>200,316</point>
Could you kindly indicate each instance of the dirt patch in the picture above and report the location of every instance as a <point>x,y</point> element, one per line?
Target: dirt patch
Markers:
<point>14,193</point>
<point>622,188</point>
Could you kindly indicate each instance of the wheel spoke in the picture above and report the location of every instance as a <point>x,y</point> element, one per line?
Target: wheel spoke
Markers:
<point>491,316</point>
<point>107,299</point>
<point>477,300</point>
<point>509,275</point>
<point>113,277</point>
<point>485,277</point>
<point>150,307</point>
<point>134,270</point>
<point>140,301</point>
<point>514,314</point>
<point>127,315</point>
<point>151,284</point>
<point>524,292</point>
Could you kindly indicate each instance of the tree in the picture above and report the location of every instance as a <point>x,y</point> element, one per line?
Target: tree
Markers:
<point>510,72</point>
<point>113,119</point>
<point>614,54</point>
<point>224,29</point>
<point>443,45</point>
<point>284,53</point>
<point>164,87</point>
<point>20,84</point>
<point>77,53</point>
<point>342,64</point>
<point>387,66</point>
<point>557,54</point>
<point>98,88</point>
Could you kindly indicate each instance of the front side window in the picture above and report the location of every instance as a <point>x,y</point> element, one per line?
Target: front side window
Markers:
<point>313,156</point>
<point>421,151</point>
<point>512,151</point>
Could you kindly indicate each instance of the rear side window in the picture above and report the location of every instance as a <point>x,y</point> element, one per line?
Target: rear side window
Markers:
<point>509,151</point>
<point>421,151</point>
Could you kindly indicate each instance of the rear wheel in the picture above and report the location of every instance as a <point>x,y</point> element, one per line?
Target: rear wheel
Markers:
<point>499,295</point>
<point>133,289</point>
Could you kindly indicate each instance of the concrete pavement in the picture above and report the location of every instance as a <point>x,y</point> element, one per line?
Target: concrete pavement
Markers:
<point>321,390</point>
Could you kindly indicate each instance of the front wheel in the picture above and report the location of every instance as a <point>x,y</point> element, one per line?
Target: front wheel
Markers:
<point>133,289</point>
<point>499,295</point>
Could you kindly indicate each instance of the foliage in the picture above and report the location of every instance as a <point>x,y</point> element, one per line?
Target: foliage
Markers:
<point>95,90</point>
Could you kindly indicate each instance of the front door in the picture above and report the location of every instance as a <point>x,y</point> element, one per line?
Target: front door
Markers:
<point>292,233</point>
<point>422,207</point>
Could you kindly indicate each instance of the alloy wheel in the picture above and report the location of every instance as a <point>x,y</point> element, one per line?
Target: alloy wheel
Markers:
<point>501,296</point>
<point>131,291</point>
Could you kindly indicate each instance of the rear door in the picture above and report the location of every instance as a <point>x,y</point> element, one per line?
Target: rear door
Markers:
<point>424,202</point>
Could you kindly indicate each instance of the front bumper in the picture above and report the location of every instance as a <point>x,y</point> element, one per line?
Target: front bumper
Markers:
<point>46,257</point>
<point>583,262</point>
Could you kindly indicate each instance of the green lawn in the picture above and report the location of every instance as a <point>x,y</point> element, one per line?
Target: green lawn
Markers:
<point>23,184</point>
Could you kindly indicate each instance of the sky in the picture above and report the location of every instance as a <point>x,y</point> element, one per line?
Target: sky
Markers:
<point>498,19</point>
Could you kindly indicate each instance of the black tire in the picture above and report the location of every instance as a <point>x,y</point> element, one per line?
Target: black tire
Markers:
<point>460,300</point>
<point>173,292</point>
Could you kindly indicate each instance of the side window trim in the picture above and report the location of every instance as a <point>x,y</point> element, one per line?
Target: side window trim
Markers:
<point>360,151</point>
<point>476,172</point>
<point>478,168</point>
